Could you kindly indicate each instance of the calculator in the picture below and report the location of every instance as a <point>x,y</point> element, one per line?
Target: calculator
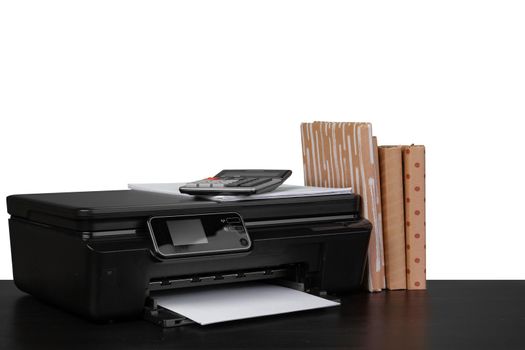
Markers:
<point>237,182</point>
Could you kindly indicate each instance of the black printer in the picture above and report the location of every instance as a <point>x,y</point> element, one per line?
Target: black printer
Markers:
<point>105,255</point>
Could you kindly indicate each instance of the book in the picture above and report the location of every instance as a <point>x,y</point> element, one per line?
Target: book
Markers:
<point>392,200</point>
<point>415,224</point>
<point>343,155</point>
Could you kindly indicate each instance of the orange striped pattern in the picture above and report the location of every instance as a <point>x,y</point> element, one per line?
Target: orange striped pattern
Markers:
<point>344,155</point>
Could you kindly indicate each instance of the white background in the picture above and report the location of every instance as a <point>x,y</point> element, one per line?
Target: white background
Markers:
<point>98,94</point>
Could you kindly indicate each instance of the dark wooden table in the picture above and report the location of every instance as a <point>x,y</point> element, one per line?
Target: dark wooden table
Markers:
<point>449,315</point>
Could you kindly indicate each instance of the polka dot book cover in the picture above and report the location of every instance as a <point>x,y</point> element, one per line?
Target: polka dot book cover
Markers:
<point>415,224</point>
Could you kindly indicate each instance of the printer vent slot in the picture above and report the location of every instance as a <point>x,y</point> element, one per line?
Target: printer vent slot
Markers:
<point>285,272</point>
<point>299,220</point>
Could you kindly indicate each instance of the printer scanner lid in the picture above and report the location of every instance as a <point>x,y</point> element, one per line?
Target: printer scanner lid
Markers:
<point>128,209</point>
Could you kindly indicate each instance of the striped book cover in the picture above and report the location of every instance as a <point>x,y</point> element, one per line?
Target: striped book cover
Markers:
<point>392,200</point>
<point>343,155</point>
<point>415,224</point>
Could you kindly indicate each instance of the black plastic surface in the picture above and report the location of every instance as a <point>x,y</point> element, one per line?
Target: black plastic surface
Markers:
<point>129,209</point>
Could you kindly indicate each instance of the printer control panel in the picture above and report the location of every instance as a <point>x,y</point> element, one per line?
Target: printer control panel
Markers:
<point>188,235</point>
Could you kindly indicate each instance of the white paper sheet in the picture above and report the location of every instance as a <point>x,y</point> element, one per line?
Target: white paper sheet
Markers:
<point>283,191</point>
<point>237,301</point>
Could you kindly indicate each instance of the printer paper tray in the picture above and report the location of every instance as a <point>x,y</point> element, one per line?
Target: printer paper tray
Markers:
<point>164,318</point>
<point>167,318</point>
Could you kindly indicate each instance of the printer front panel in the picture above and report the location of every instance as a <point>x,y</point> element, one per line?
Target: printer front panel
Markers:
<point>105,277</point>
<point>325,256</point>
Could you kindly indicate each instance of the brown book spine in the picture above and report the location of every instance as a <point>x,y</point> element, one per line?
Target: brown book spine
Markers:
<point>415,224</point>
<point>392,200</point>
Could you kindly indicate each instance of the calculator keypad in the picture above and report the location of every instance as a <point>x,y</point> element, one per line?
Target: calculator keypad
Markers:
<point>229,182</point>
<point>236,182</point>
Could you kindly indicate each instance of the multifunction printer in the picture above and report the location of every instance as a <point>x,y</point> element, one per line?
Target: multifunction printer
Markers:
<point>106,255</point>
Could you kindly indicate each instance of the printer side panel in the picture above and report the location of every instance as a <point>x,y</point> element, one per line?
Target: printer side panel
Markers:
<point>344,260</point>
<point>50,265</point>
<point>60,268</point>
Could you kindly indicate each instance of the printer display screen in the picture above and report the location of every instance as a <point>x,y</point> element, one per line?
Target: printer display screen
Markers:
<point>186,235</point>
<point>185,232</point>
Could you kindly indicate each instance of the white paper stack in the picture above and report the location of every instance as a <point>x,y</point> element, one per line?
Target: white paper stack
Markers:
<point>283,191</point>
<point>207,305</point>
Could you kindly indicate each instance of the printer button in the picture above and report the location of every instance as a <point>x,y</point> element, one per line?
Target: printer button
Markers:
<point>244,242</point>
<point>109,277</point>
